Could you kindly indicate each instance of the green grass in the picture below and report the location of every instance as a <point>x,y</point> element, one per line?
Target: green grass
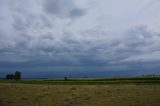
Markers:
<point>90,81</point>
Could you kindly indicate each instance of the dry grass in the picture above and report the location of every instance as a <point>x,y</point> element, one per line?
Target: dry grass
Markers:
<point>79,95</point>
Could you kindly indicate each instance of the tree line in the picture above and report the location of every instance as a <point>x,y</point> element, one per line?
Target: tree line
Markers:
<point>16,76</point>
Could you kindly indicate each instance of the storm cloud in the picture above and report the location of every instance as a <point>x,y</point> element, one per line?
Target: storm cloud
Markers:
<point>80,35</point>
<point>63,8</point>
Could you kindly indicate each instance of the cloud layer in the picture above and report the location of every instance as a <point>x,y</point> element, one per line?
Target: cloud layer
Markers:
<point>87,34</point>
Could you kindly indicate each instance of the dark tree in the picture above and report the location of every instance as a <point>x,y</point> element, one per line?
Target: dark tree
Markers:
<point>17,75</point>
<point>9,76</point>
<point>65,78</point>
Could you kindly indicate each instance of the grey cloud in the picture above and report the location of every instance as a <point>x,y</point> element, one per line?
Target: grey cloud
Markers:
<point>63,8</point>
<point>77,12</point>
<point>142,45</point>
<point>41,36</point>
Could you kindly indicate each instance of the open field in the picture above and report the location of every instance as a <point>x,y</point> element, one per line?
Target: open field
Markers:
<point>79,95</point>
<point>129,91</point>
<point>89,81</point>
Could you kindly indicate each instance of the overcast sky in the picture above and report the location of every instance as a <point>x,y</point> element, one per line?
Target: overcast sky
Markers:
<point>80,36</point>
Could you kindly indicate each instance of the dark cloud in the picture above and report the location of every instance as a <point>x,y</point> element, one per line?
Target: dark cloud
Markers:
<point>51,35</point>
<point>77,13</point>
<point>63,8</point>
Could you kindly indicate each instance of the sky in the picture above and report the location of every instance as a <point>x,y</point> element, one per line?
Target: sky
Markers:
<point>79,38</point>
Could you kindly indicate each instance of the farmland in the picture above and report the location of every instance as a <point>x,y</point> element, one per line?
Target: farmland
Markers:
<point>89,81</point>
<point>79,95</point>
<point>132,91</point>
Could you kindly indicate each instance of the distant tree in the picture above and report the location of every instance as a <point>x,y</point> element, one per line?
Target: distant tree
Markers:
<point>85,77</point>
<point>9,76</point>
<point>17,75</point>
<point>65,78</point>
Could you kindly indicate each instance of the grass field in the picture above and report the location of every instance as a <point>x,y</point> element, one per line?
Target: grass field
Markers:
<point>130,91</point>
<point>90,81</point>
<point>79,95</point>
